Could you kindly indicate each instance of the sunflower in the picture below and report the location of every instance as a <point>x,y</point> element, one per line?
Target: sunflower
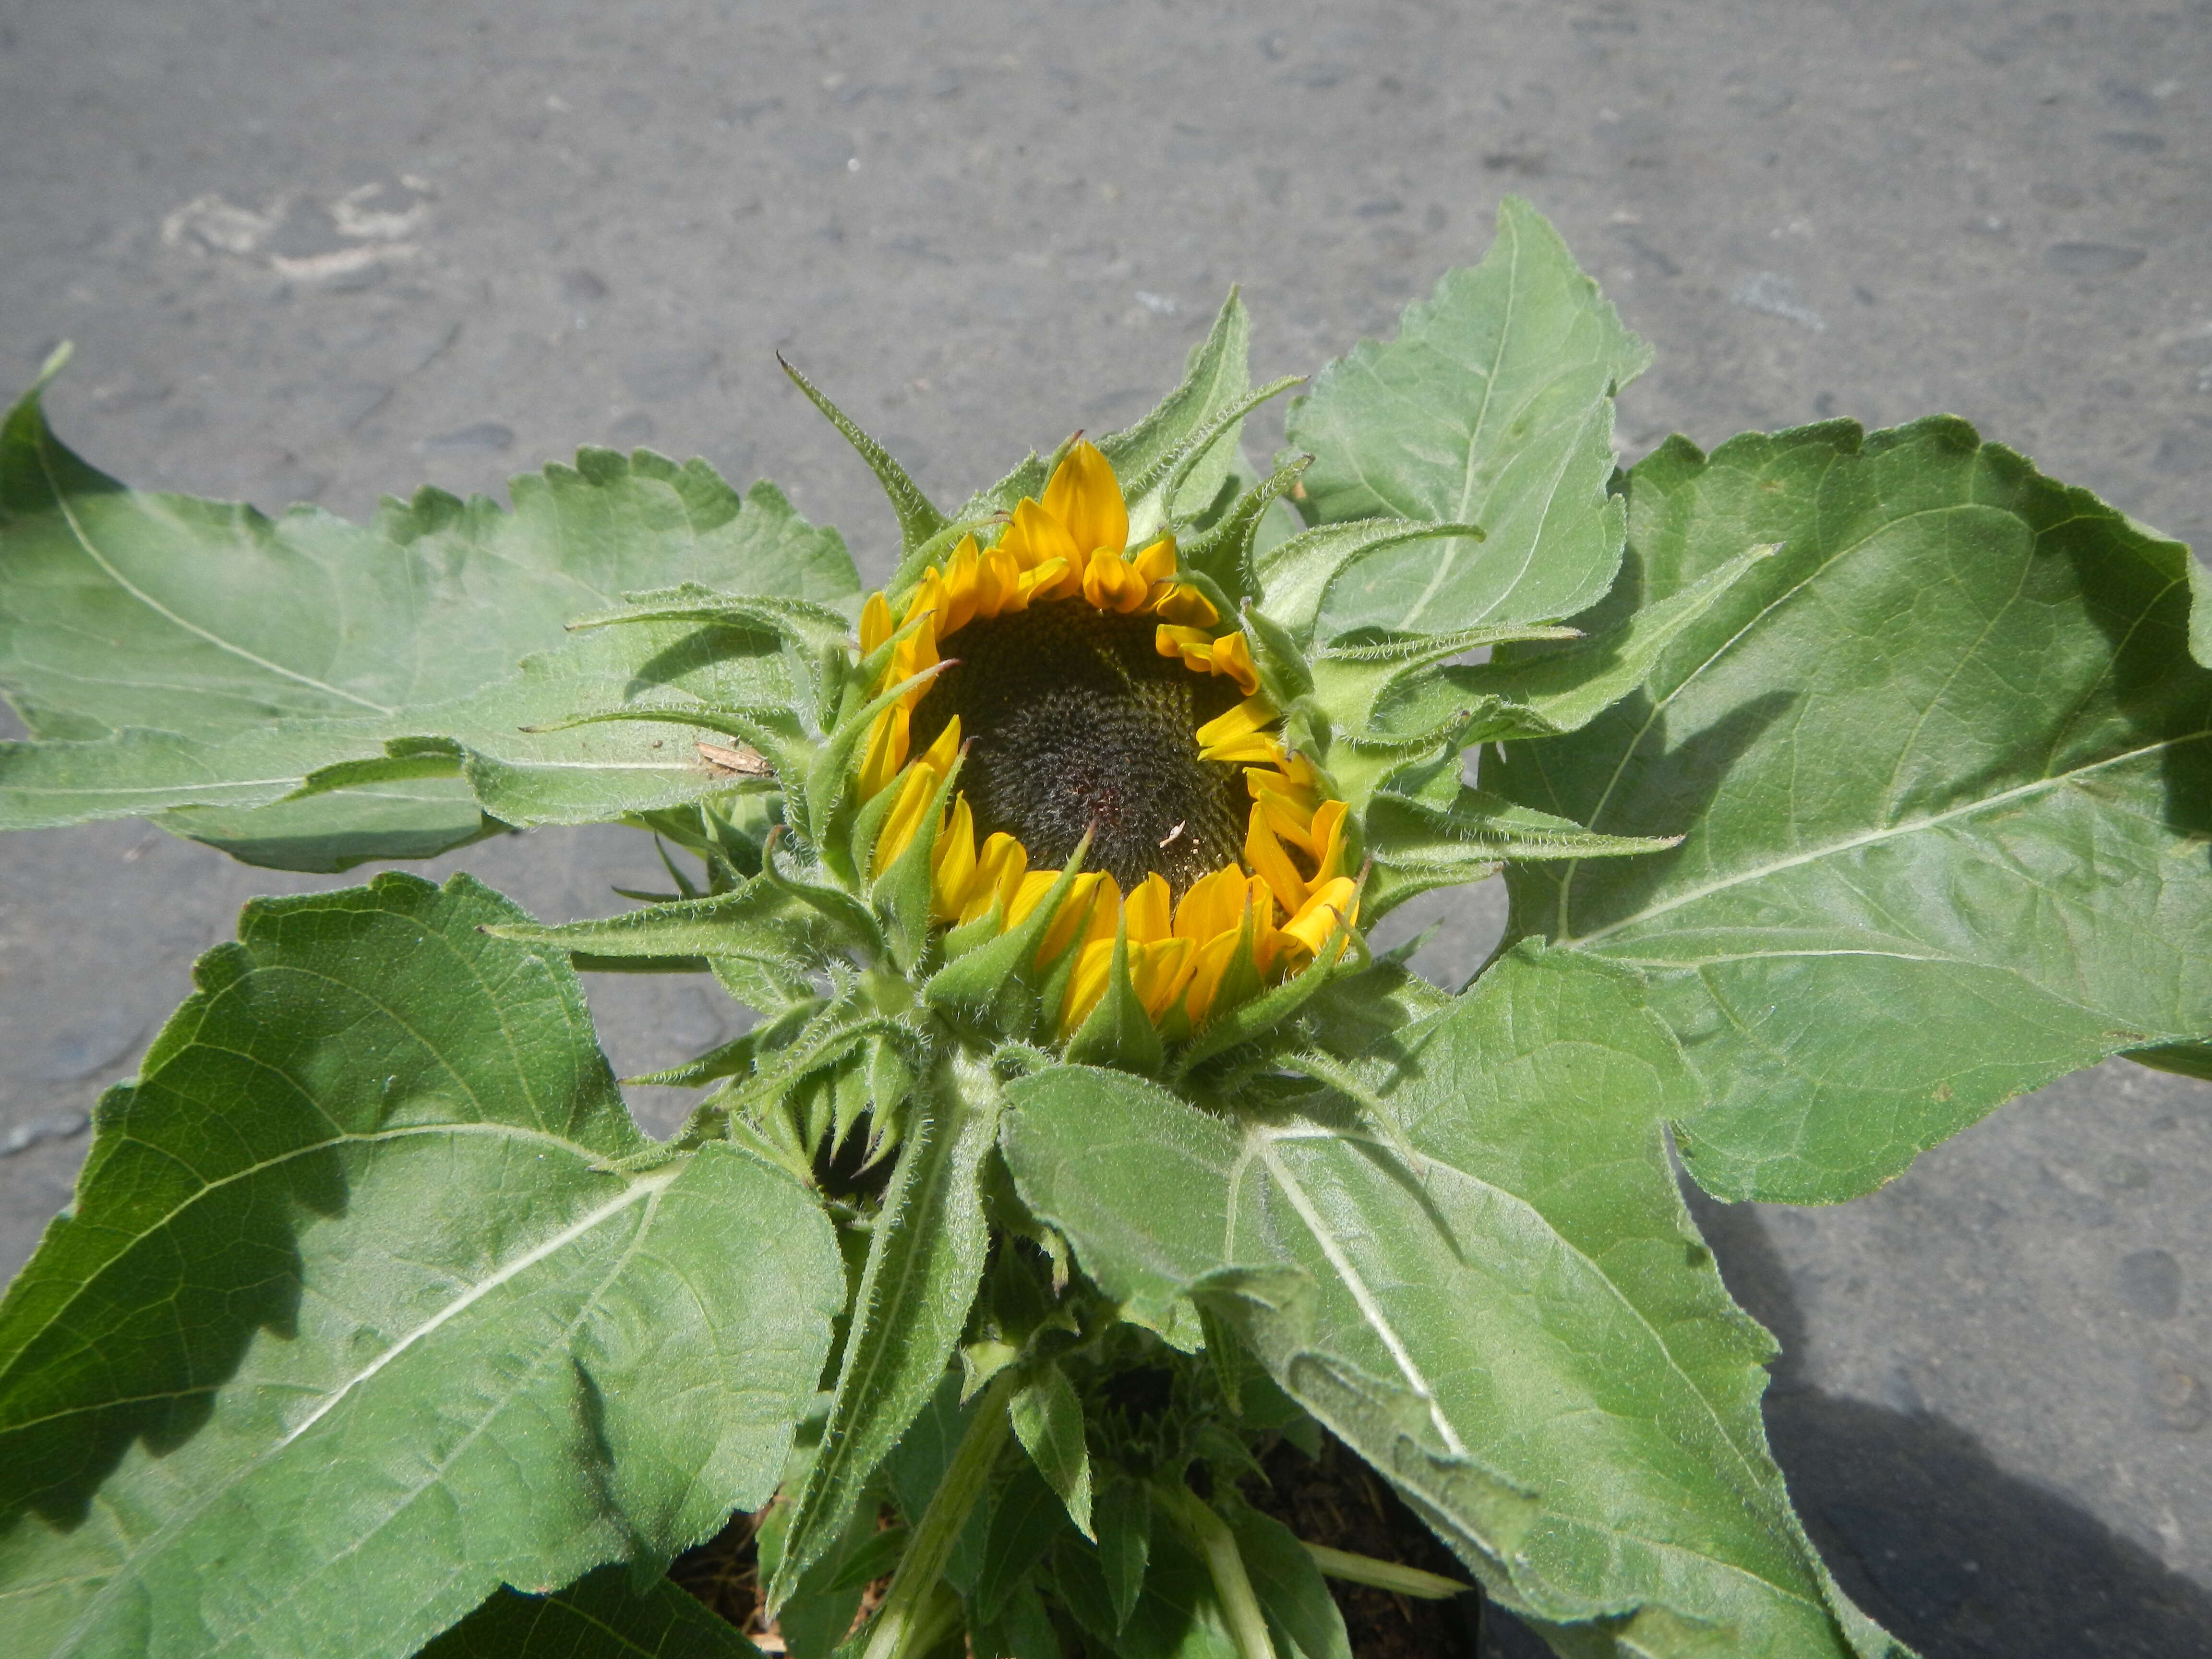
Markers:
<point>1092,704</point>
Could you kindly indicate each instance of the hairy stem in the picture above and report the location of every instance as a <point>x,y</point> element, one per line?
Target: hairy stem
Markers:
<point>911,1619</point>
<point>1247,1626</point>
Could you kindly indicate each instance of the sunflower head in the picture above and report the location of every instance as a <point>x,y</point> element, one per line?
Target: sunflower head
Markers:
<point>1074,729</point>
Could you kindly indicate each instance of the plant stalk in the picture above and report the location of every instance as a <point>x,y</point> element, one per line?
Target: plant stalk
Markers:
<point>1247,1626</point>
<point>1384,1575</point>
<point>910,1618</point>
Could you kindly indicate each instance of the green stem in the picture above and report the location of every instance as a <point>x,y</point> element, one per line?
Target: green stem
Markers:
<point>1247,1626</point>
<point>910,1618</point>
<point>1384,1575</point>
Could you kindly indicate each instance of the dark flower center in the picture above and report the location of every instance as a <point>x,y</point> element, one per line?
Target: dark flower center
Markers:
<point>1073,719</point>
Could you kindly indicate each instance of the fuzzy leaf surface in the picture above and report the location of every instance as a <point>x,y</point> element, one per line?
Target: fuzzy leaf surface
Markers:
<point>1943,765</point>
<point>1496,1296</point>
<point>1492,406</point>
<point>187,654</point>
<point>350,1323</point>
<point>597,1617</point>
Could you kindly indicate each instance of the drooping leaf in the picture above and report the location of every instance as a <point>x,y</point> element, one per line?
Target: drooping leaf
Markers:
<point>197,653</point>
<point>1943,765</point>
<point>1493,406</point>
<point>1048,1422</point>
<point>597,1617</point>
<point>350,1288</point>
<point>1497,1298</point>
<point>925,1259</point>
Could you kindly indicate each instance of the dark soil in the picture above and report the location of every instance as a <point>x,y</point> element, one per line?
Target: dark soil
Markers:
<point>1336,1499</point>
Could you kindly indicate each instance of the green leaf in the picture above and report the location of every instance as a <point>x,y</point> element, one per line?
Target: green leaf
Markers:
<point>403,817</point>
<point>1302,1615</point>
<point>1216,376</point>
<point>1297,577</point>
<point>925,1259</point>
<point>917,520</point>
<point>1048,1422</point>
<point>758,920</point>
<point>597,1617</point>
<point>1498,1300</point>
<point>1177,1617</point>
<point>1026,1517</point>
<point>1943,767</point>
<point>1493,406</point>
<point>213,657</point>
<point>2182,1059</point>
<point>1417,845</point>
<point>1534,691</point>
<point>1125,1535</point>
<point>351,1321</point>
<point>1023,1629</point>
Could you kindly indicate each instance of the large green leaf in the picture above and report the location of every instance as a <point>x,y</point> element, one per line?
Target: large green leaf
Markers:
<point>351,1322</point>
<point>1493,406</point>
<point>1486,1282</point>
<point>597,1617</point>
<point>189,653</point>
<point>1944,767</point>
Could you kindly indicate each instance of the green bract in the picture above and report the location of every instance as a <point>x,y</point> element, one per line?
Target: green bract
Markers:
<point>1846,786</point>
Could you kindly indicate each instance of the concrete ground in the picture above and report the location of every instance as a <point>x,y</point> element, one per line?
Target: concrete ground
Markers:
<point>320,251</point>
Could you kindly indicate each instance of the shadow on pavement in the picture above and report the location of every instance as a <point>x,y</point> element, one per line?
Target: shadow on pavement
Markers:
<point>1953,1554</point>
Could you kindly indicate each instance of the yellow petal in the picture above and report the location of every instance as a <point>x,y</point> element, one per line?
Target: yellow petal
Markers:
<point>1328,842</point>
<point>1157,563</point>
<point>945,748</point>
<point>1192,645</point>
<point>1077,912</point>
<point>1148,910</point>
<point>887,745</point>
<point>915,793</point>
<point>1260,781</point>
<point>1085,495</point>
<point>1208,966</point>
<point>1031,893</point>
<point>1049,580</point>
<point>999,584</point>
<point>875,622</point>
<point>1212,903</point>
<point>959,588</point>
<point>1035,536</point>
<point>1288,823</point>
<point>1087,984</point>
<point>1159,971</point>
<point>1332,902</point>
<point>1110,583</point>
<point>1236,735</point>
<point>1186,606</point>
<point>953,866</point>
<point>1232,655</point>
<point>1265,853</point>
<point>999,868</point>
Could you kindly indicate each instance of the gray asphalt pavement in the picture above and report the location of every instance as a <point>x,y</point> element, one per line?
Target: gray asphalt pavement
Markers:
<point>322,250</point>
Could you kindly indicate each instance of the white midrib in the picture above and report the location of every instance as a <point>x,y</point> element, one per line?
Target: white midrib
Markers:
<point>1872,837</point>
<point>91,552</point>
<point>1370,1309</point>
<point>641,1188</point>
